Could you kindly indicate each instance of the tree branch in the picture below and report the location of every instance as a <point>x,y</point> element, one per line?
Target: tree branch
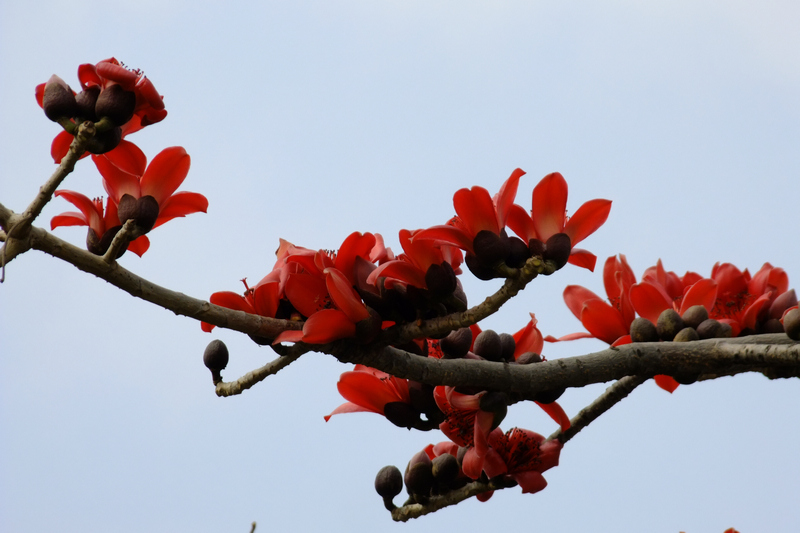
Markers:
<point>260,374</point>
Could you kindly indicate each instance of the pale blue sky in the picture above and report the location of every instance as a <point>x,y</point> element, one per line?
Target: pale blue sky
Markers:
<point>310,120</point>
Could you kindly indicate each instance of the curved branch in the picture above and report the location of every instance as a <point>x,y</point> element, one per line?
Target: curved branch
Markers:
<point>176,302</point>
<point>775,353</point>
<point>260,374</point>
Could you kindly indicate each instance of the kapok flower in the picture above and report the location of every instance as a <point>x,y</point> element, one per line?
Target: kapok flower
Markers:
<point>263,299</point>
<point>548,217</point>
<point>660,290</point>
<point>609,321</point>
<point>370,390</point>
<point>741,300</point>
<point>103,223</point>
<point>522,454</point>
<point>150,198</point>
<point>126,98</point>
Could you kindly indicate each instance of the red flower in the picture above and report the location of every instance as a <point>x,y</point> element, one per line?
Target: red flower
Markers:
<point>465,422</point>
<point>661,290</point>
<point>95,79</point>
<point>476,211</point>
<point>263,299</point>
<point>548,216</point>
<point>522,454</point>
<point>608,321</point>
<point>369,390</point>
<point>103,224</point>
<point>159,180</point>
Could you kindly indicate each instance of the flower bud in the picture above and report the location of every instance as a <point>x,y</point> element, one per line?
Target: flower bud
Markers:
<point>783,302</point>
<point>215,357</point>
<point>440,279</point>
<point>557,249</point>
<point>491,248</point>
<point>687,334</point>
<point>536,248</point>
<point>488,345</point>
<point>669,324</point>
<point>457,343</point>
<point>116,103</point>
<point>419,475</point>
<point>508,345</point>
<point>401,414</point>
<point>773,325</point>
<point>104,141</point>
<point>58,100</point>
<point>445,468</point>
<point>713,329</point>
<point>791,323</point>
<point>695,315</point>
<point>478,269</point>
<point>143,211</point>
<point>518,252</point>
<point>389,481</point>
<point>642,330</point>
<point>528,358</point>
<point>87,100</point>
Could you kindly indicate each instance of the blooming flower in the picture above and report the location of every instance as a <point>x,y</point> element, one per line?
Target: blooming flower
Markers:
<point>548,217</point>
<point>522,454</point>
<point>263,299</point>
<point>102,84</point>
<point>159,180</point>
<point>369,390</point>
<point>103,223</point>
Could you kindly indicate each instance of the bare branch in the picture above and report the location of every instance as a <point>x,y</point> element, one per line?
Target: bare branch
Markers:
<point>251,378</point>
<point>121,239</point>
<point>435,503</point>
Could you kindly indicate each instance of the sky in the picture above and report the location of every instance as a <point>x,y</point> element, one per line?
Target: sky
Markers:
<point>310,120</point>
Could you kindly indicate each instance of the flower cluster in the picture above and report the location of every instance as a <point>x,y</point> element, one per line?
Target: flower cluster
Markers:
<point>120,102</point>
<point>728,303</point>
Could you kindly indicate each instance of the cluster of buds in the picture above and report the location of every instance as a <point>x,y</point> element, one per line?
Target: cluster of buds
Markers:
<point>119,101</point>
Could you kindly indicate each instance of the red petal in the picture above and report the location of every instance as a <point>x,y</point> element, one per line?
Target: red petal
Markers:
<point>505,197</point>
<point>87,75</point>
<point>60,146</point>
<point>587,219</point>
<point>583,259</point>
<point>399,270</point>
<point>555,412</point>
<point>603,321</point>
<point>570,337</point>
<point>366,390</point>
<point>326,326</point>
<point>648,301</point>
<point>344,296</point>
<point>666,382</point>
<point>128,157</point>
<point>476,209</point>
<point>290,335</point>
<point>116,181</point>
<point>528,339</point>
<point>165,173</point>
<point>449,234</point>
<point>308,294</point>
<point>549,205</point>
<point>266,299</point>
<point>704,293</point>
<point>94,218</point>
<point>146,88</point>
<point>181,204</point>
<point>348,407</point>
<point>520,223</point>
<point>355,245</point>
<point>576,296</point>
<point>117,73</point>
<point>70,218</point>
<point>530,481</point>
<point>232,300</point>
<point>139,245</point>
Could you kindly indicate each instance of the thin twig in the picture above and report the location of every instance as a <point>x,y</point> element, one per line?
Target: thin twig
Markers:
<point>121,239</point>
<point>232,388</point>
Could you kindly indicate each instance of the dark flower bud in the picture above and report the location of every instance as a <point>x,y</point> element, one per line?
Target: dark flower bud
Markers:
<point>488,345</point>
<point>389,481</point>
<point>783,302</point>
<point>549,396</point>
<point>557,249</point>
<point>445,468</point>
<point>493,401</point>
<point>100,246</point>
<point>440,279</point>
<point>642,330</point>
<point>478,269</point>
<point>419,475</point>
<point>104,141</point>
<point>388,484</point>
<point>116,103</point>
<point>710,329</point>
<point>773,325</point>
<point>528,358</point>
<point>491,248</point>
<point>457,343</point>
<point>669,324</point>
<point>368,329</point>
<point>215,357</point>
<point>401,414</point>
<point>58,100</point>
<point>686,379</point>
<point>518,252</point>
<point>143,211</point>
<point>695,315</point>
<point>536,248</point>
<point>508,345</point>
<point>459,294</point>
<point>791,323</point>
<point>687,334</point>
<point>87,100</point>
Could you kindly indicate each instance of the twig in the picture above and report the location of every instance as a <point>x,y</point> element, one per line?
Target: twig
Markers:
<point>232,388</point>
<point>415,510</point>
<point>121,239</point>
<point>612,395</point>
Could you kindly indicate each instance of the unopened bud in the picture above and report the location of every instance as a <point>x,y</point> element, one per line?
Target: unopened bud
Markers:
<point>519,252</point>
<point>143,211</point>
<point>669,324</point>
<point>642,330</point>
<point>557,249</point>
<point>488,345</point>
<point>419,475</point>
<point>491,248</point>
<point>440,279</point>
<point>389,481</point>
<point>87,100</point>
<point>695,315</point>
<point>528,358</point>
<point>215,357</point>
<point>116,103</point>
<point>457,343</point>
<point>687,334</point>
<point>791,323</point>
<point>445,468</point>
<point>58,100</point>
